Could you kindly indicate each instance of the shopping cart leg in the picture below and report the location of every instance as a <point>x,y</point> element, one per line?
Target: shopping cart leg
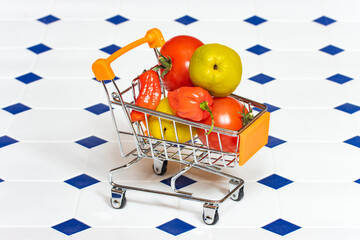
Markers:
<point>210,213</point>
<point>160,166</point>
<point>118,199</point>
<point>238,194</point>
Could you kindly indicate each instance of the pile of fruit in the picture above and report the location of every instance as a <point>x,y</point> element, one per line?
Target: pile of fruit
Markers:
<point>199,79</point>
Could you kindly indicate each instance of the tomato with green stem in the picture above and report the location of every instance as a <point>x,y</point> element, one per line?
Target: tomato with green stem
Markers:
<point>229,114</point>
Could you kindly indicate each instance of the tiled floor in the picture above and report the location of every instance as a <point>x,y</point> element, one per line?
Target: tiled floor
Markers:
<point>300,57</point>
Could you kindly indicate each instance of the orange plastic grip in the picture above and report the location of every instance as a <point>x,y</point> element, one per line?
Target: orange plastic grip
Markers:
<point>101,67</point>
<point>253,138</point>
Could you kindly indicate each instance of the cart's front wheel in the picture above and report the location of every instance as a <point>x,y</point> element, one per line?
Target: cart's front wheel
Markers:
<point>160,167</point>
<point>118,199</point>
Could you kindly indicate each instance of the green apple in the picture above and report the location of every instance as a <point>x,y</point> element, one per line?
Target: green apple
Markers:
<point>216,68</point>
<point>167,126</point>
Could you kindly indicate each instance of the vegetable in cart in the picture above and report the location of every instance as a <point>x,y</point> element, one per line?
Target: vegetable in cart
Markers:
<point>149,96</point>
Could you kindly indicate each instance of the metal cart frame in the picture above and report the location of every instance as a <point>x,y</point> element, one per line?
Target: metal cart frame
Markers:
<point>192,154</point>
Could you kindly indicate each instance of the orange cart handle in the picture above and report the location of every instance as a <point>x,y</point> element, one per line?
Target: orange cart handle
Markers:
<point>101,67</point>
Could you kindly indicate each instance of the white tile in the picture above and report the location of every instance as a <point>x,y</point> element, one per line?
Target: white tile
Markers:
<point>141,207</point>
<point>252,65</point>
<point>5,120</point>
<point>53,125</point>
<point>11,92</point>
<point>242,34</point>
<point>63,93</point>
<point>293,35</point>
<point>28,204</point>
<point>347,63</point>
<point>328,204</point>
<point>356,118</point>
<point>258,207</point>
<point>304,93</point>
<point>345,35</point>
<point>251,90</point>
<point>85,9</point>
<point>117,232</point>
<point>22,10</point>
<point>298,10</point>
<point>69,63</point>
<point>298,64</point>
<point>155,10</point>
<point>342,10</point>
<point>311,125</point>
<point>321,161</point>
<point>21,33</point>
<point>226,10</point>
<point>15,62</point>
<point>325,233</point>
<point>80,34</point>
<point>31,233</point>
<point>213,233</point>
<point>42,161</point>
<point>351,89</point>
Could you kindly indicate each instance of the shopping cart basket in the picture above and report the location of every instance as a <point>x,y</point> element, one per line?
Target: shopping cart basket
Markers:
<point>191,154</point>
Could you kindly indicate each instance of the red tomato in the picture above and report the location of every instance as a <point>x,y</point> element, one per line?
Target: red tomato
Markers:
<point>227,114</point>
<point>180,50</point>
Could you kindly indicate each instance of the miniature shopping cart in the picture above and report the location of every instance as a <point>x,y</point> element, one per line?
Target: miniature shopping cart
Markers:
<point>191,154</point>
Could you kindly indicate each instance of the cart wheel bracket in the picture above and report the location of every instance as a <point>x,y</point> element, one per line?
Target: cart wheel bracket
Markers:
<point>160,167</point>
<point>239,193</point>
<point>118,199</point>
<point>210,213</point>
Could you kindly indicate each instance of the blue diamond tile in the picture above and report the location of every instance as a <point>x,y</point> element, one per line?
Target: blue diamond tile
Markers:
<point>357,181</point>
<point>91,142</point>
<point>48,19</point>
<point>5,141</point>
<point>332,50</point>
<point>281,227</point>
<point>117,19</point>
<point>274,142</point>
<point>71,227</point>
<point>324,20</point>
<point>28,78</point>
<point>262,78</point>
<point>258,49</point>
<point>355,141</point>
<point>1,180</point>
<point>81,181</point>
<point>348,108</point>
<point>181,182</point>
<point>275,181</point>
<point>175,227</point>
<point>110,49</point>
<point>186,20</point>
<point>40,48</point>
<point>255,20</point>
<point>16,108</point>
<point>339,78</point>
<point>98,109</point>
<point>271,108</point>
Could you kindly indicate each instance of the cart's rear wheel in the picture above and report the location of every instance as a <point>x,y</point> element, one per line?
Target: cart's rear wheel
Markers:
<point>238,195</point>
<point>160,167</point>
<point>118,199</point>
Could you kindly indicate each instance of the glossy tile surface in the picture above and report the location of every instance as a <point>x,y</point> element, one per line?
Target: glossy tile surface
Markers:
<point>58,143</point>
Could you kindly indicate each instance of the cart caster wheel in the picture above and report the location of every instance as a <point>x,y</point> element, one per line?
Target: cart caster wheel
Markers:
<point>160,167</point>
<point>210,214</point>
<point>238,195</point>
<point>118,199</point>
